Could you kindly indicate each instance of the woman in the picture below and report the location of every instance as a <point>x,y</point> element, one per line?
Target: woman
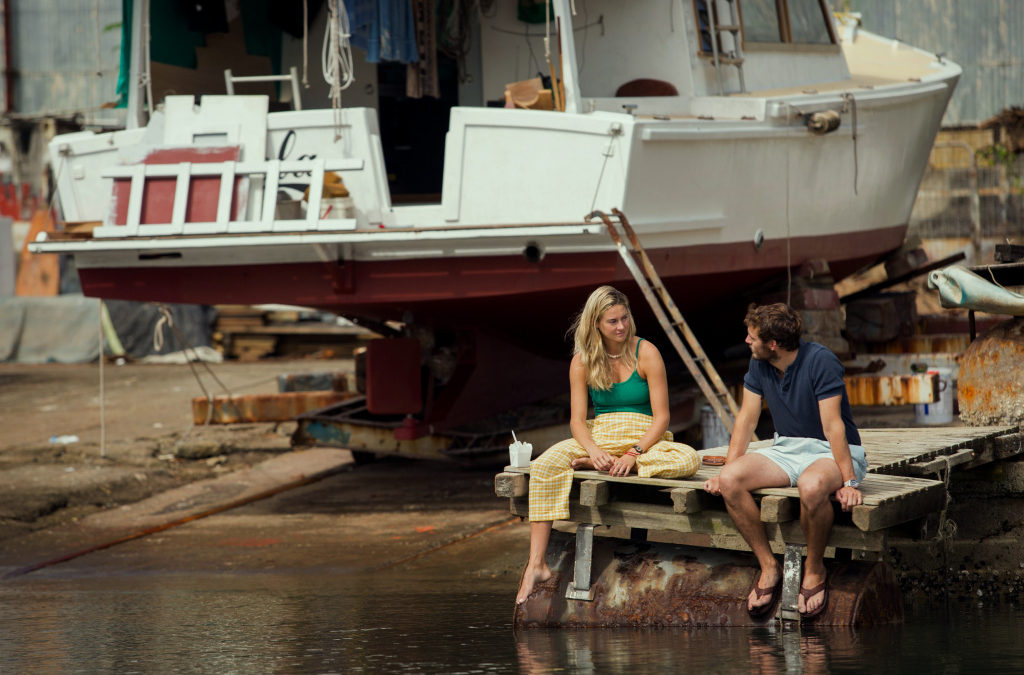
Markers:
<point>625,377</point>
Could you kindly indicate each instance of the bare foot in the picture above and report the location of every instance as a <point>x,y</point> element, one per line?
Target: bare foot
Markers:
<point>583,463</point>
<point>766,583</point>
<point>531,577</point>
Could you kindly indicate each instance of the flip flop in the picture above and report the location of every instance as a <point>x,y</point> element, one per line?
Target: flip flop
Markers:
<point>808,593</point>
<point>769,607</point>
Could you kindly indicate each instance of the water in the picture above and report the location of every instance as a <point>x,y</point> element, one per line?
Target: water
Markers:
<point>395,623</point>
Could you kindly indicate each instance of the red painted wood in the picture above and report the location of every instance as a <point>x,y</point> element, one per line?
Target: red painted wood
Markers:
<point>158,193</point>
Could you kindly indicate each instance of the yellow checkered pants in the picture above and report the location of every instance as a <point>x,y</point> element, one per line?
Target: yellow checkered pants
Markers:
<point>615,433</point>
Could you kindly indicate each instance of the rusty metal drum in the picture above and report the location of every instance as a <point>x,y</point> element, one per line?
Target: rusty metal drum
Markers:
<point>655,584</point>
<point>990,389</point>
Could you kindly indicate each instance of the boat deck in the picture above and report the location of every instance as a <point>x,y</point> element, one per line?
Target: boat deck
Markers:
<point>905,483</point>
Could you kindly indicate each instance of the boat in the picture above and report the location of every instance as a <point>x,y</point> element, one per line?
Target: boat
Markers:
<point>742,138</point>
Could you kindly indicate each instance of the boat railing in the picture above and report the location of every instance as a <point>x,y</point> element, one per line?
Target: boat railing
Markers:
<point>237,180</point>
<point>292,77</point>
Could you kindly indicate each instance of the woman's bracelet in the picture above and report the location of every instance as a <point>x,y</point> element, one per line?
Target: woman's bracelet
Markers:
<point>635,451</point>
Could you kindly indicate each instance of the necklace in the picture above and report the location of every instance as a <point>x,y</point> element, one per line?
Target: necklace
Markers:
<point>615,356</point>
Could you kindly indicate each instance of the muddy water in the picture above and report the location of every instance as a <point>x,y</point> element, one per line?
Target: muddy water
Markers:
<point>390,623</point>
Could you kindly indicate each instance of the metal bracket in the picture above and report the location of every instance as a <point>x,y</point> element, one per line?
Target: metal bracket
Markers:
<point>792,574</point>
<point>579,588</point>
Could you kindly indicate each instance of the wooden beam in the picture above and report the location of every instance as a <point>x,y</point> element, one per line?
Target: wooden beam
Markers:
<point>896,511</point>
<point>715,523</point>
<point>779,509</point>
<point>594,492</point>
<point>688,500</point>
<point>1001,447</point>
<point>511,485</point>
<point>936,466</point>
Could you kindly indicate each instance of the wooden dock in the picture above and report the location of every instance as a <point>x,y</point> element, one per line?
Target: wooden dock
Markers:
<point>905,494</point>
<point>905,484</point>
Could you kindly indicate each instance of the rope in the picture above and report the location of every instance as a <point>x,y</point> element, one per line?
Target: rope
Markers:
<point>336,57</point>
<point>600,176</point>
<point>851,104</point>
<point>947,528</point>
<point>103,410</point>
<point>789,238</point>
<point>158,340</point>
<point>305,43</point>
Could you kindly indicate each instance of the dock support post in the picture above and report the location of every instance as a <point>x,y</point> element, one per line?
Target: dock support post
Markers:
<point>792,568</point>
<point>579,588</point>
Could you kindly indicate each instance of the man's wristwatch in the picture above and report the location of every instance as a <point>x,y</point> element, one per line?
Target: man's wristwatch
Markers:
<point>853,482</point>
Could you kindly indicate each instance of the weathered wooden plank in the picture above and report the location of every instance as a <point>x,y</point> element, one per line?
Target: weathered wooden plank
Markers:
<point>509,484</point>
<point>940,463</point>
<point>895,511</point>
<point>779,509</point>
<point>1001,447</point>
<point>717,523</point>
<point>688,500</point>
<point>594,492</point>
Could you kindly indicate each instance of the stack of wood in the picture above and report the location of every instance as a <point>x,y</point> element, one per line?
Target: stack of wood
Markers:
<point>236,335</point>
<point>249,333</point>
<point>813,295</point>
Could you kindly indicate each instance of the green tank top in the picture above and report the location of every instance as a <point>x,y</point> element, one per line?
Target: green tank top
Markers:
<point>633,395</point>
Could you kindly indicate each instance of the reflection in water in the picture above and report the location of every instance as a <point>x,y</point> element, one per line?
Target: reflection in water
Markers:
<point>264,623</point>
<point>760,650</point>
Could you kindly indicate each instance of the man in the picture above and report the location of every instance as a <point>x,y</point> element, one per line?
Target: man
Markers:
<point>816,448</point>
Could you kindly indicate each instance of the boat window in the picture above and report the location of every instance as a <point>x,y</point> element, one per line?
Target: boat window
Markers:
<point>761,21</point>
<point>766,22</point>
<point>808,23</point>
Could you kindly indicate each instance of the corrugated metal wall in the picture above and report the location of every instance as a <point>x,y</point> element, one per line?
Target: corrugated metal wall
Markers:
<point>65,56</point>
<point>986,37</point>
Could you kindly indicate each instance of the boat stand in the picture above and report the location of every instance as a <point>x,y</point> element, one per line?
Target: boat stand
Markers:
<point>580,587</point>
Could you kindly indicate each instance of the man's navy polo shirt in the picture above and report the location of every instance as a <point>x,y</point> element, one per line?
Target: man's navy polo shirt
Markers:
<point>792,399</point>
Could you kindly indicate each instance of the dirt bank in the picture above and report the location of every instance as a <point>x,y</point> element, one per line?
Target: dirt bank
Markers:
<point>141,442</point>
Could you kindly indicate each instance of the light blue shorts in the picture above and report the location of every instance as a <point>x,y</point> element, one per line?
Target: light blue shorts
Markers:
<point>793,455</point>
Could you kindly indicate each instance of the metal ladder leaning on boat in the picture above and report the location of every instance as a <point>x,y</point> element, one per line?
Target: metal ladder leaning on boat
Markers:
<point>697,362</point>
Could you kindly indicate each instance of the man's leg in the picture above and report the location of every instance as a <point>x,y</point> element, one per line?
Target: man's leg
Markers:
<point>737,480</point>
<point>816,484</point>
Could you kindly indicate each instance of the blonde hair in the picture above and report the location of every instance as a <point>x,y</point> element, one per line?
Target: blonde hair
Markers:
<point>588,342</point>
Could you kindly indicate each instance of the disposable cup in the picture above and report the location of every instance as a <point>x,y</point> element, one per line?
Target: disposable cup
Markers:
<point>519,453</point>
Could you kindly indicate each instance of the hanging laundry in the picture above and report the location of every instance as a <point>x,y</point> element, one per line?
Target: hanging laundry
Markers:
<point>421,77</point>
<point>383,29</point>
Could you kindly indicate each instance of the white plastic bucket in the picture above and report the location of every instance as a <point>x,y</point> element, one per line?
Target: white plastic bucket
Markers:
<point>940,412</point>
<point>712,429</point>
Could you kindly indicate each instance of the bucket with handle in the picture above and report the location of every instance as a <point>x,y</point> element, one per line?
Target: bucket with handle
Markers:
<point>941,411</point>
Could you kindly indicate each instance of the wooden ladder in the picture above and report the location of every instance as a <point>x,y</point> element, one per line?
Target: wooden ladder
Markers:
<point>697,362</point>
<point>734,56</point>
